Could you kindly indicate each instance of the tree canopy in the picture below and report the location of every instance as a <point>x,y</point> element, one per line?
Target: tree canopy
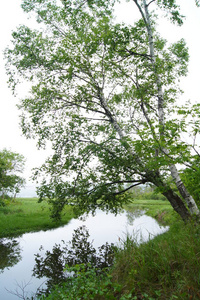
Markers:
<point>11,165</point>
<point>104,93</point>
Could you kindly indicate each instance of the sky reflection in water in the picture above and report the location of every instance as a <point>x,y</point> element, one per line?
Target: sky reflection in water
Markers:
<point>102,228</point>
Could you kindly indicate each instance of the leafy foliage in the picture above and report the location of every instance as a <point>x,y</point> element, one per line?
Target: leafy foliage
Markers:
<point>96,96</point>
<point>10,165</point>
<point>191,178</point>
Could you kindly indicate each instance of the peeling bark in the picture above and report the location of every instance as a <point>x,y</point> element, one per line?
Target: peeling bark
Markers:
<point>183,191</point>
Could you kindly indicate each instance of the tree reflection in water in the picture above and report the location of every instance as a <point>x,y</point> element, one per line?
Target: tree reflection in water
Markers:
<point>132,215</point>
<point>9,253</point>
<point>78,251</point>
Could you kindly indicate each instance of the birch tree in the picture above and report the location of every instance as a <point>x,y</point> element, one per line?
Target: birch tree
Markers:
<point>101,91</point>
<point>160,95</point>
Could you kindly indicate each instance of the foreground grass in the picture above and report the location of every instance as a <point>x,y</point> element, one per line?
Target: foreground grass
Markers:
<point>167,267</point>
<point>27,215</point>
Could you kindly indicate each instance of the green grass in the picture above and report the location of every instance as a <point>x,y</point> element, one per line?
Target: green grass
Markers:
<point>161,210</point>
<point>167,267</point>
<point>27,215</point>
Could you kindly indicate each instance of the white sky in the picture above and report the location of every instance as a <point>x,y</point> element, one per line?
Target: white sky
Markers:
<point>11,16</point>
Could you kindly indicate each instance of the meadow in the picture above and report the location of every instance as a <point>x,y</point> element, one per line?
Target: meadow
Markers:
<point>27,215</point>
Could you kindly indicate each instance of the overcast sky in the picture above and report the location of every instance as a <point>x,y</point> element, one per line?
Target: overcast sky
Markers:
<point>11,16</point>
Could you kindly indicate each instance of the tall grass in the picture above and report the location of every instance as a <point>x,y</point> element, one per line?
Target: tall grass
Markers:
<point>26,215</point>
<point>167,267</point>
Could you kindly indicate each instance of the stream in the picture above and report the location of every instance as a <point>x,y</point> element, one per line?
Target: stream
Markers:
<point>17,255</point>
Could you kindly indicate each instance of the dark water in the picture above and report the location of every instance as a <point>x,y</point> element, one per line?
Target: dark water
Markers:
<point>17,256</point>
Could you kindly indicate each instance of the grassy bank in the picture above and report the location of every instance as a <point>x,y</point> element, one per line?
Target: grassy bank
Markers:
<point>165,268</point>
<point>161,210</point>
<point>26,215</point>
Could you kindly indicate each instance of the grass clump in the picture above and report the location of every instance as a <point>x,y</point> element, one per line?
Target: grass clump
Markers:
<point>167,267</point>
<point>27,215</point>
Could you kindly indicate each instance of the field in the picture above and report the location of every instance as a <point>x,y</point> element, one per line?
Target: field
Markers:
<point>27,215</point>
<point>161,210</point>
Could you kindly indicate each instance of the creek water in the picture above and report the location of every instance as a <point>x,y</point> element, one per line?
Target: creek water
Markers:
<point>17,255</point>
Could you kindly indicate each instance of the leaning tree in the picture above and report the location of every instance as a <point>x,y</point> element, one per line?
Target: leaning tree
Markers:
<point>104,93</point>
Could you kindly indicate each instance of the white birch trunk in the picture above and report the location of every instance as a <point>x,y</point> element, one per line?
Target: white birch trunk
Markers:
<point>174,172</point>
<point>183,191</point>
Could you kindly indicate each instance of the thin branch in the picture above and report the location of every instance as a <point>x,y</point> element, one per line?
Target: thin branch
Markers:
<point>138,54</point>
<point>102,67</point>
<point>68,103</point>
<point>137,182</point>
<point>96,119</point>
<point>130,187</point>
<point>82,78</point>
<point>150,2</point>
<point>142,13</point>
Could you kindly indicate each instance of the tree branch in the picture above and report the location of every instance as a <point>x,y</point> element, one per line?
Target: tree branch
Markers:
<point>130,187</point>
<point>137,182</point>
<point>140,9</point>
<point>69,103</point>
<point>150,2</point>
<point>131,52</point>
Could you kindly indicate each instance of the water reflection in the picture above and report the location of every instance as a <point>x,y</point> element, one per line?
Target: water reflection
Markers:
<point>9,253</point>
<point>102,228</point>
<point>132,215</point>
<point>55,265</point>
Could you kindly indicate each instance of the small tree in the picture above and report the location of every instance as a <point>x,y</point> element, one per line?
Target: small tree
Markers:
<point>11,164</point>
<point>104,94</point>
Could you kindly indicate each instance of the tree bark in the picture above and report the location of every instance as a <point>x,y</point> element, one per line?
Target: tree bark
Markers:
<point>174,172</point>
<point>174,199</point>
<point>177,204</point>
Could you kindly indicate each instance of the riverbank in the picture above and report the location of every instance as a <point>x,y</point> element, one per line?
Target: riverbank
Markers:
<point>165,268</point>
<point>161,210</point>
<point>27,215</point>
